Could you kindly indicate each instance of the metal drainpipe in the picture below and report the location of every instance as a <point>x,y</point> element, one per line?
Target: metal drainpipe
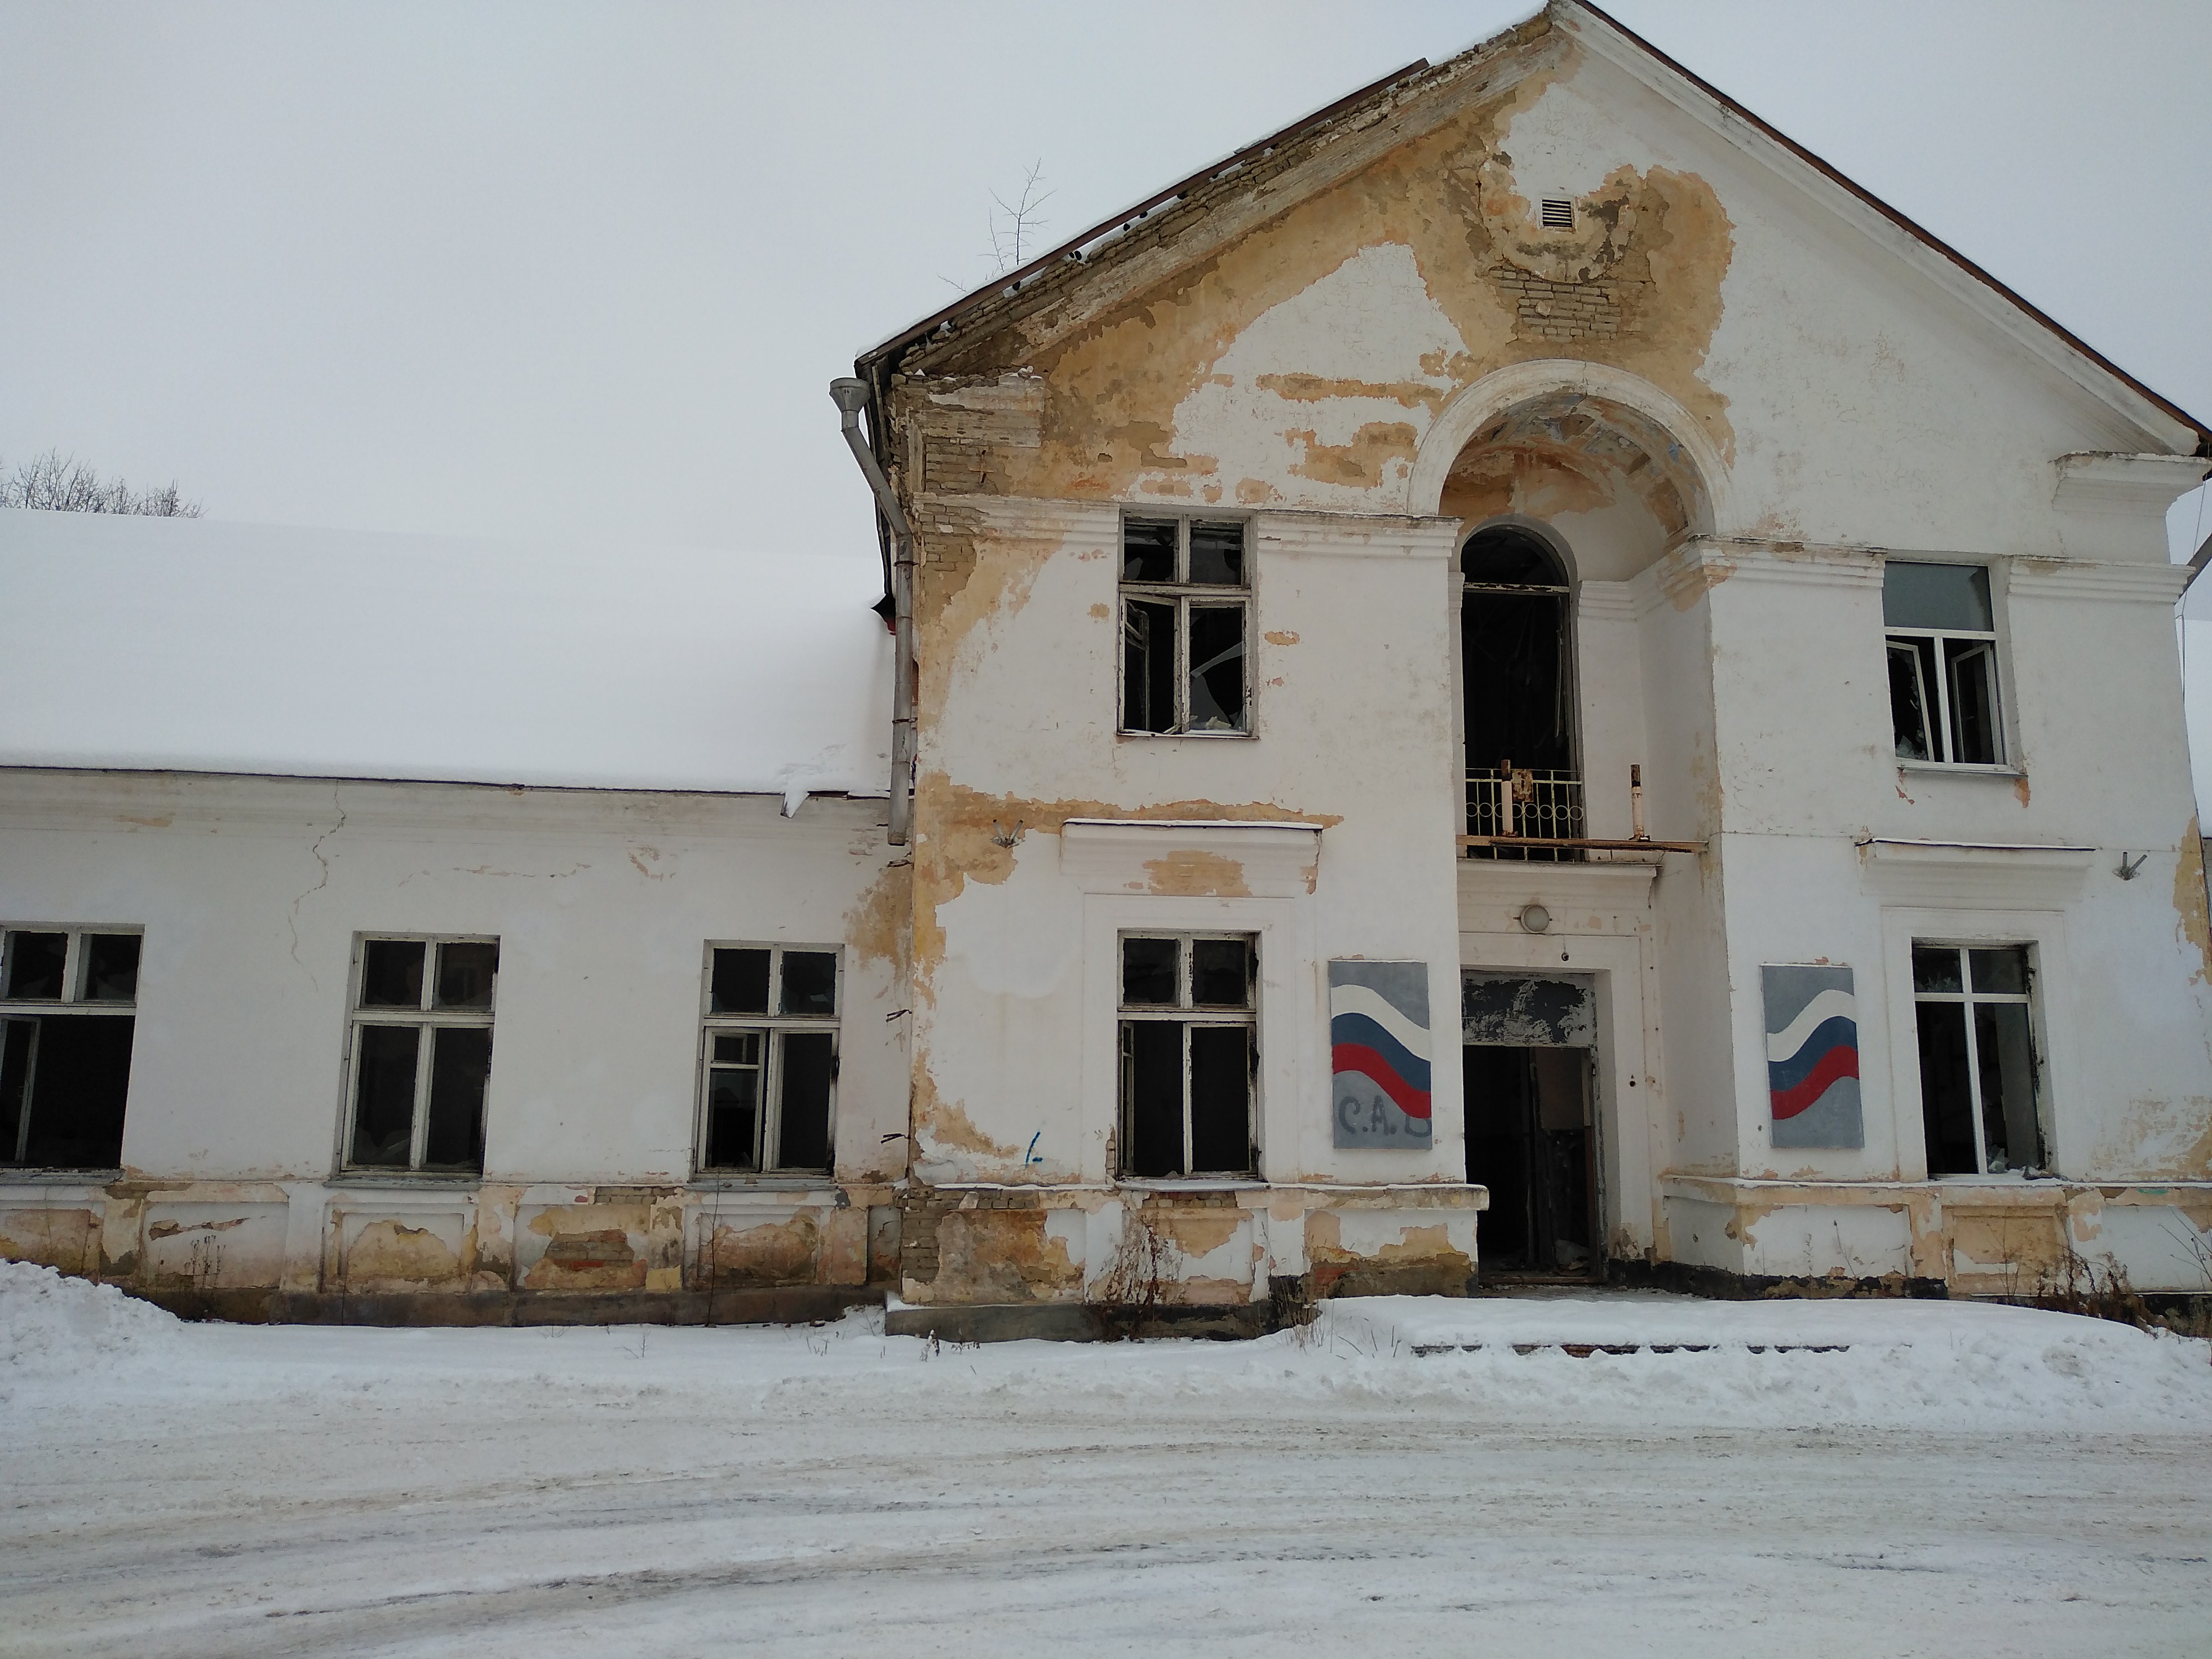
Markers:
<point>851,397</point>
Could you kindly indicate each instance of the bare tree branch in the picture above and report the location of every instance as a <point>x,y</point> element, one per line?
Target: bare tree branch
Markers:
<point>56,483</point>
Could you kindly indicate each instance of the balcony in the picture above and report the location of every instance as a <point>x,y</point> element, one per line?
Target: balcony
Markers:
<point>1512,813</point>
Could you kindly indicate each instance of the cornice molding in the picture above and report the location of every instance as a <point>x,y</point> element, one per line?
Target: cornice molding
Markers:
<point>1973,876</point>
<point>2085,579</point>
<point>1191,859</point>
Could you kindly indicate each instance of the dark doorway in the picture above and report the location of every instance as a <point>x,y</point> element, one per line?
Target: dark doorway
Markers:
<point>1530,1141</point>
<point>1518,686</point>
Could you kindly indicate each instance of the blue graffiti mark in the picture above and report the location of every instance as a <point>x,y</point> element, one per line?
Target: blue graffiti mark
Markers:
<point>1030,1157</point>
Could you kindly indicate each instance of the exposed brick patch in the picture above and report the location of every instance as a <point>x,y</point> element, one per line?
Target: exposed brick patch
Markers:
<point>1565,311</point>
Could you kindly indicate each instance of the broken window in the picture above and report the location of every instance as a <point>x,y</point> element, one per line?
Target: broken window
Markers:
<point>1190,1055</point>
<point>1186,616</point>
<point>1977,1061</point>
<point>421,1054</point>
<point>769,1059</point>
<point>67,1002</point>
<point>1942,663</point>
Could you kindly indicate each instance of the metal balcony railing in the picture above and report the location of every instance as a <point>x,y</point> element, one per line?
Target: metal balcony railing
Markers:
<point>1525,805</point>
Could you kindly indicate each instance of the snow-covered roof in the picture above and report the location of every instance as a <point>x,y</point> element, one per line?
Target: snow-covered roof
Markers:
<point>196,645</point>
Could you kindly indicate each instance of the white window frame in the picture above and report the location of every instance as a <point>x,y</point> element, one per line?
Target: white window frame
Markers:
<point>1181,593</point>
<point>75,965</point>
<point>1937,709</point>
<point>426,1019</point>
<point>768,1132</point>
<point>1967,996</point>
<point>1185,1011</point>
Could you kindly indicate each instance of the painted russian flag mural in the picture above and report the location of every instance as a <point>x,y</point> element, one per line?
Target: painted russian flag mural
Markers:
<point>1379,1053</point>
<point>1812,1056</point>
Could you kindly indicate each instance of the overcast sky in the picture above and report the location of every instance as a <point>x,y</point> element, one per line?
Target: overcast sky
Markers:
<point>520,269</point>
<point>584,272</point>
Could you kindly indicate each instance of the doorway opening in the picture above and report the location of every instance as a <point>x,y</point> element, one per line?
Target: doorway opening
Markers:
<point>1518,682</point>
<point>1531,1140</point>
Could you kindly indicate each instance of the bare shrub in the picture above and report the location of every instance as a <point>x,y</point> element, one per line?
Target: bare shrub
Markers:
<point>1126,1297</point>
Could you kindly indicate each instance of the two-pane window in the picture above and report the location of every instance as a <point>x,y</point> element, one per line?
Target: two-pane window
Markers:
<point>1190,1055</point>
<point>67,997</point>
<point>769,1058</point>
<point>1942,663</point>
<point>1978,1094</point>
<point>1186,616</point>
<point>421,1054</point>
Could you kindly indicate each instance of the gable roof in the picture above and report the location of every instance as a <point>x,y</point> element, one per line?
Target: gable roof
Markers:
<point>1099,246</point>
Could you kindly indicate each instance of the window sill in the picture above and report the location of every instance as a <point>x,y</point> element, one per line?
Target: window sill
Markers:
<point>761,1183</point>
<point>1961,769</point>
<point>1177,736</point>
<point>11,1175</point>
<point>435,1178</point>
<point>1193,1184</point>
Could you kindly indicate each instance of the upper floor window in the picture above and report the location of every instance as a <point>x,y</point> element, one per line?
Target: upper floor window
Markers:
<point>421,1054</point>
<point>67,1002</point>
<point>1977,1064</point>
<point>1942,663</point>
<point>769,1060</point>
<point>1186,615</point>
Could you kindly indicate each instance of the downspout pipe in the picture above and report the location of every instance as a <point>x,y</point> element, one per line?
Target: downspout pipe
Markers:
<point>851,397</point>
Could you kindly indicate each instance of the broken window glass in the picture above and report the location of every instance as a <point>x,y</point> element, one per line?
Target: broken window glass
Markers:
<point>1220,975</point>
<point>391,973</point>
<point>810,1060</point>
<point>810,983</point>
<point>1183,639</point>
<point>417,1093</point>
<point>383,1095</point>
<point>35,964</point>
<point>738,984</point>
<point>1189,1056</point>
<point>1978,1062</point>
<point>1148,678</point>
<point>1217,668</point>
<point>736,1061</point>
<point>1148,550</point>
<point>111,967</point>
<point>1150,972</point>
<point>1942,663</point>
<point>768,1089</point>
<point>65,1069</point>
<point>460,1064</point>
<point>466,972</point>
<point>1217,554</point>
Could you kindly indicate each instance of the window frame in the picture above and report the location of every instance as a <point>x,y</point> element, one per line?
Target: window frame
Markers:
<point>768,1128</point>
<point>1937,712</point>
<point>424,1018</point>
<point>1186,1013</point>
<point>72,1003</point>
<point>1968,998</point>
<point>1181,593</point>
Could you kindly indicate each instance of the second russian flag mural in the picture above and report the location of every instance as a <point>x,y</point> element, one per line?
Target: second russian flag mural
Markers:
<point>1812,1056</point>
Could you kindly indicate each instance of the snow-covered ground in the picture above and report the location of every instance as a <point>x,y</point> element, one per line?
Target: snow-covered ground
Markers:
<point>1400,1478</point>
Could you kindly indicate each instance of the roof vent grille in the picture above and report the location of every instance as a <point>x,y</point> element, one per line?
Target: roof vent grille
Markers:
<point>1558,212</point>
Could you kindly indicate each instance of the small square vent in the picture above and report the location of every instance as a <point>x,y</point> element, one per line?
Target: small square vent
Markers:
<point>1558,212</point>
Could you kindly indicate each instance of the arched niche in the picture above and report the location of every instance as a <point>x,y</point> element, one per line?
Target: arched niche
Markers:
<point>1608,461</point>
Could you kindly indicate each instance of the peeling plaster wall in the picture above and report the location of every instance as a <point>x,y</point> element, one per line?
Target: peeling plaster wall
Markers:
<point>251,890</point>
<point>1805,386</point>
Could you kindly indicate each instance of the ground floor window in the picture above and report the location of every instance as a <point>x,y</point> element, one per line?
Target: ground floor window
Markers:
<point>421,1054</point>
<point>67,1003</point>
<point>769,1059</point>
<point>1977,1059</point>
<point>1189,1043</point>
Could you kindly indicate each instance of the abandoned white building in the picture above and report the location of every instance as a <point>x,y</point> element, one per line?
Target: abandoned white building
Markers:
<point>1516,678</point>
